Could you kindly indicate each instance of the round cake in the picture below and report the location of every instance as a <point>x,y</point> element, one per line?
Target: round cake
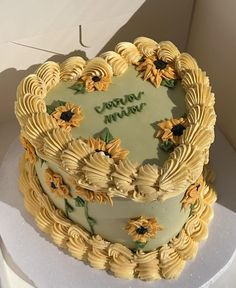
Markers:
<point>115,154</point>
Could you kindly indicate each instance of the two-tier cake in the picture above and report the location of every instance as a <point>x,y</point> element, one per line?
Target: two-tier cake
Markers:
<point>115,149</point>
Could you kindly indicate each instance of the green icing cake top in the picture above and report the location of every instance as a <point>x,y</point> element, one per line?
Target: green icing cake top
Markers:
<point>139,107</point>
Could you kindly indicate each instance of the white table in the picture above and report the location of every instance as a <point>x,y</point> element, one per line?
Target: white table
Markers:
<point>222,154</point>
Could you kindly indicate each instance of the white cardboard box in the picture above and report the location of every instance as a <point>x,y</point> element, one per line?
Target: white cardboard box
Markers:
<point>33,31</point>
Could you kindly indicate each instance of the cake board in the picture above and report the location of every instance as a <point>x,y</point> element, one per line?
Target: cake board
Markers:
<point>49,266</point>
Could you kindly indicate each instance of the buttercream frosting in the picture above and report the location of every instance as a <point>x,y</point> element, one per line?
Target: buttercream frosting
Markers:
<point>71,69</point>
<point>146,46</point>
<point>129,52</point>
<point>166,262</point>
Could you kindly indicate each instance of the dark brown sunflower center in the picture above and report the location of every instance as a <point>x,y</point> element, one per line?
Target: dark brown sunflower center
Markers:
<point>141,230</point>
<point>105,152</point>
<point>178,130</point>
<point>159,64</point>
<point>53,186</point>
<point>198,186</point>
<point>67,115</point>
<point>96,79</point>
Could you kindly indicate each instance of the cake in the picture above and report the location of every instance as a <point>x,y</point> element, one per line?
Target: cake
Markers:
<point>116,152</point>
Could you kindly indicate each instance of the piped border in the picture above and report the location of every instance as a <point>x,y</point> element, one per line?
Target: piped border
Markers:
<point>165,262</point>
<point>141,183</point>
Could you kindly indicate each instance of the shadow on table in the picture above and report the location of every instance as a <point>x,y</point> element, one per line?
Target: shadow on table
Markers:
<point>10,262</point>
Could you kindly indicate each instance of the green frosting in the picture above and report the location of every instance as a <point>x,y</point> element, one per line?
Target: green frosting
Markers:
<point>105,135</point>
<point>167,146</point>
<point>79,202</point>
<point>118,102</point>
<point>131,109</point>
<point>124,113</point>
<point>91,221</point>
<point>51,108</point>
<point>68,208</point>
<point>78,87</point>
<point>110,221</point>
<point>169,83</point>
<point>139,245</point>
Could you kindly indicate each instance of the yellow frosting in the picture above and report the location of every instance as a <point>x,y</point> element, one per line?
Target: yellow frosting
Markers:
<point>37,126</point>
<point>146,46</point>
<point>148,265</point>
<point>75,155</point>
<point>196,228</point>
<point>33,85</point>
<point>72,157</point>
<point>118,64</point>
<point>97,255</point>
<point>166,262</point>
<point>128,51</point>
<point>71,69</point>
<point>121,263</point>
<point>147,182</point>
<point>97,168</point>
<point>114,177</point>
<point>167,51</point>
<point>49,72</point>
<point>199,94</point>
<point>124,175</point>
<point>44,220</point>
<point>98,67</point>
<point>184,245</point>
<point>171,264</point>
<point>185,62</point>
<point>78,242</point>
<point>56,141</point>
<point>191,77</point>
<point>28,104</point>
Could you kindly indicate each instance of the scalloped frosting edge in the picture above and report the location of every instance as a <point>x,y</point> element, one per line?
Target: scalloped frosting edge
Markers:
<point>165,262</point>
<point>36,124</point>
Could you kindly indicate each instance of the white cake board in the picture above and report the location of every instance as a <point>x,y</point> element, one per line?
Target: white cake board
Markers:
<point>48,266</point>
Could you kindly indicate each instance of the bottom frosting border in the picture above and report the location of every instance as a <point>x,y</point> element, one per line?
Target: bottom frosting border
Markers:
<point>166,262</point>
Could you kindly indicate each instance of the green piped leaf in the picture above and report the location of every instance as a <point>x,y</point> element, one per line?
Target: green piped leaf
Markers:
<point>167,146</point>
<point>42,161</point>
<point>169,83</point>
<point>68,207</point>
<point>52,107</point>
<point>142,59</point>
<point>91,221</point>
<point>192,205</point>
<point>139,245</point>
<point>105,135</point>
<point>78,88</point>
<point>79,202</point>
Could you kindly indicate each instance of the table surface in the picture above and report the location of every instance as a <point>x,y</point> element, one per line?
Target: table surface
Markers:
<point>222,155</point>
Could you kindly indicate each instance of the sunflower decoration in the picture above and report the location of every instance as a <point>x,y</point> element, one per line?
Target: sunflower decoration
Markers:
<point>109,146</point>
<point>112,149</point>
<point>97,75</point>
<point>56,184</point>
<point>156,70</point>
<point>93,83</point>
<point>91,196</point>
<point>30,154</point>
<point>141,229</point>
<point>170,132</point>
<point>68,115</point>
<point>193,193</point>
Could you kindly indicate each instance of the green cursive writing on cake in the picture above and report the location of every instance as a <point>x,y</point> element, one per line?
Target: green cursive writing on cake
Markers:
<point>121,103</point>
<point>125,112</point>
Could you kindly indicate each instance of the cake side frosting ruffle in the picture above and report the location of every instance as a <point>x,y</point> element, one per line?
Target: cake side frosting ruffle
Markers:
<point>166,262</point>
